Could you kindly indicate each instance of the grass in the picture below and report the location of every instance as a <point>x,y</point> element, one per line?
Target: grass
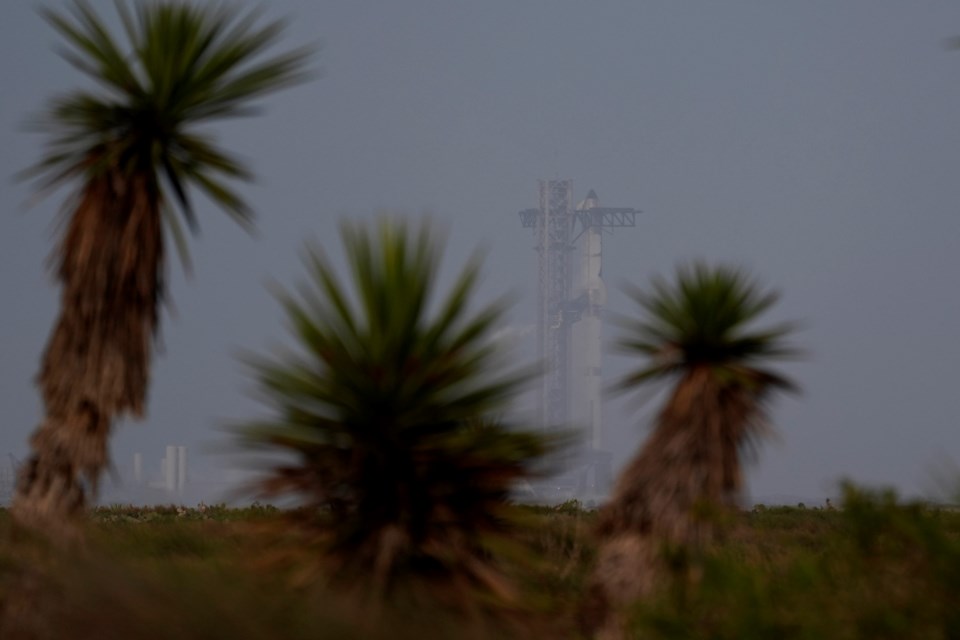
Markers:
<point>876,569</point>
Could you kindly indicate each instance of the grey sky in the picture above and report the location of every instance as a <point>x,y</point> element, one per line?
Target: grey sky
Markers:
<point>815,142</point>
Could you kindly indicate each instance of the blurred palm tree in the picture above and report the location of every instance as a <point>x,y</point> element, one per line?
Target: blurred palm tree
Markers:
<point>132,149</point>
<point>383,411</point>
<point>698,342</point>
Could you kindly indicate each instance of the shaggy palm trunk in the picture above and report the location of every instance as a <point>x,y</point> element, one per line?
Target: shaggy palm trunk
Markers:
<point>96,364</point>
<point>663,499</point>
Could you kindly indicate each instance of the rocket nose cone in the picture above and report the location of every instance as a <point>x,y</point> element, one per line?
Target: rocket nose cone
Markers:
<point>591,201</point>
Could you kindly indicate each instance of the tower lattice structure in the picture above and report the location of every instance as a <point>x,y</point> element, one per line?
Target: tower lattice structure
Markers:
<point>569,250</point>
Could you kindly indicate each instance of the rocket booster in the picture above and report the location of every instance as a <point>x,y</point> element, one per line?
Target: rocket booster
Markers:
<point>588,332</point>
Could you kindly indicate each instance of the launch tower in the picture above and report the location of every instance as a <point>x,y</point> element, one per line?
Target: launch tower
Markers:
<point>572,294</point>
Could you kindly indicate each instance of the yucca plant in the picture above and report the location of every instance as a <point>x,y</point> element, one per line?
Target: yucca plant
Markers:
<point>383,410</point>
<point>132,151</point>
<point>698,342</point>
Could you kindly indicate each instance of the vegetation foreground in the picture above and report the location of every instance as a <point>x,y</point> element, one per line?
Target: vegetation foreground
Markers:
<point>874,569</point>
<point>391,409</point>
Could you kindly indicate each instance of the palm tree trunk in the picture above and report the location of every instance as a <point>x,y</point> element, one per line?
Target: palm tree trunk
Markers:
<point>96,364</point>
<point>69,453</point>
<point>627,570</point>
<point>664,497</point>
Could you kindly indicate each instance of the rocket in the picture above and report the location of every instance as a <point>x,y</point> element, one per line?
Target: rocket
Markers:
<point>590,202</point>
<point>588,332</point>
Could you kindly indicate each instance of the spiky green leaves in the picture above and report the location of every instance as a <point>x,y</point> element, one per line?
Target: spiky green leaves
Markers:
<point>705,318</point>
<point>182,64</point>
<point>698,334</point>
<point>374,350</point>
<point>381,402</point>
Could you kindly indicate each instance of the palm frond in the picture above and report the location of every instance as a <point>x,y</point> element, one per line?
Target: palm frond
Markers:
<point>705,317</point>
<point>179,66</point>
<point>699,335</point>
<point>381,400</point>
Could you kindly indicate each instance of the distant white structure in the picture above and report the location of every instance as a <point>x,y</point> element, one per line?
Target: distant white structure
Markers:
<point>170,469</point>
<point>181,468</point>
<point>586,377</point>
<point>138,469</point>
<point>570,304</point>
<point>174,468</point>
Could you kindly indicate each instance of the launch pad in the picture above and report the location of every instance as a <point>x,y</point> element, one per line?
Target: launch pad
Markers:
<point>570,303</point>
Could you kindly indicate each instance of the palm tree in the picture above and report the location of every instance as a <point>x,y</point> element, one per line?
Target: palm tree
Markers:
<point>699,343</point>
<point>133,152</point>
<point>383,412</point>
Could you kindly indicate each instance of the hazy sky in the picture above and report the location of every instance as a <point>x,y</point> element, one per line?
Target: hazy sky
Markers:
<point>815,142</point>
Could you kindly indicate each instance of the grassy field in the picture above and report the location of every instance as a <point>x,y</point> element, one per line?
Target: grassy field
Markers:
<point>875,569</point>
